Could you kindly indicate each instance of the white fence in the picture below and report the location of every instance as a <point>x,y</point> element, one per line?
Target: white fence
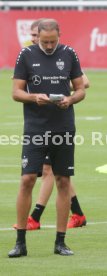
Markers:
<point>79,4</point>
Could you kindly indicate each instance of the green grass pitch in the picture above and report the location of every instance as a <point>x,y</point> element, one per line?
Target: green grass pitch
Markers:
<point>88,243</point>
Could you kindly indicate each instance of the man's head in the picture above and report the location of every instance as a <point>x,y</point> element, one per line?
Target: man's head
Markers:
<point>34,30</point>
<point>48,34</point>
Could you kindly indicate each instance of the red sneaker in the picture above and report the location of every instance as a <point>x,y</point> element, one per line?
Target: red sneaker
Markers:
<point>31,224</point>
<point>76,221</point>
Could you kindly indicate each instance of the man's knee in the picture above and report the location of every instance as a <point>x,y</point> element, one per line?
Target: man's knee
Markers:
<point>47,171</point>
<point>62,182</point>
<point>28,181</point>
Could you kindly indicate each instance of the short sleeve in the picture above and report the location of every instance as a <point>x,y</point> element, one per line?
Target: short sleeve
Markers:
<point>20,71</point>
<point>76,70</point>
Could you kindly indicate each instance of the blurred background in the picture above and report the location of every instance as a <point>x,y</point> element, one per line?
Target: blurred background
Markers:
<point>83,26</point>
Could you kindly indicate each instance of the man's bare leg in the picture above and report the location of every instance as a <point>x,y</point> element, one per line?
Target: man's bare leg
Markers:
<point>46,186</point>
<point>62,202</point>
<point>62,207</point>
<point>44,195</point>
<point>24,199</point>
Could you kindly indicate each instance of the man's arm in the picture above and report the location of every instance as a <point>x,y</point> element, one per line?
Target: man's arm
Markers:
<point>78,91</point>
<point>85,82</point>
<point>20,95</point>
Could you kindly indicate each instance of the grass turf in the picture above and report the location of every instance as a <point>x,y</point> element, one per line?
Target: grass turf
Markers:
<point>89,243</point>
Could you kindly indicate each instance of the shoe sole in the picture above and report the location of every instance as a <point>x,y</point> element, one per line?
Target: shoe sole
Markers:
<point>57,253</point>
<point>27,229</point>
<point>17,256</point>
<point>83,224</point>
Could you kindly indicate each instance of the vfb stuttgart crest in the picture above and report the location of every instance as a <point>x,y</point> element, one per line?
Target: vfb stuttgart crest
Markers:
<point>24,162</point>
<point>23,31</point>
<point>60,64</point>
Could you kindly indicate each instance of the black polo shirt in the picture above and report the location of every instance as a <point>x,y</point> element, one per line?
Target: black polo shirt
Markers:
<point>47,74</point>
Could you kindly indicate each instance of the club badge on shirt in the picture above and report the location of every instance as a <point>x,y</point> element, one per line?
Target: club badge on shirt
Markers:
<point>60,64</point>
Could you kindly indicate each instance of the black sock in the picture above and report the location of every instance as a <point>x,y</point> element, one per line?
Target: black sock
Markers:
<point>21,233</point>
<point>36,214</point>
<point>75,206</point>
<point>60,236</point>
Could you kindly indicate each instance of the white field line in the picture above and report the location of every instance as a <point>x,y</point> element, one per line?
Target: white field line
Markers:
<point>51,226</point>
<point>89,118</point>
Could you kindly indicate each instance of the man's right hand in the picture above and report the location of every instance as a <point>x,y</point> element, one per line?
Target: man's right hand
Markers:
<point>42,99</point>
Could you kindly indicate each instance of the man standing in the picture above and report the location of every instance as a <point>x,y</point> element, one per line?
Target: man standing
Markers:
<point>77,219</point>
<point>42,70</point>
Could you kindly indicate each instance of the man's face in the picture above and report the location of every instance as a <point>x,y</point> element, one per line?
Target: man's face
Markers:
<point>48,40</point>
<point>34,35</point>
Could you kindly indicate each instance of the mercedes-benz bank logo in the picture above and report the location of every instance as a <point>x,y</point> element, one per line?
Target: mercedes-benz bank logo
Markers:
<point>36,80</point>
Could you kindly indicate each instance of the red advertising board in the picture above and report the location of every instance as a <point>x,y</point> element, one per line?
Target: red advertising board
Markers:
<point>85,31</point>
